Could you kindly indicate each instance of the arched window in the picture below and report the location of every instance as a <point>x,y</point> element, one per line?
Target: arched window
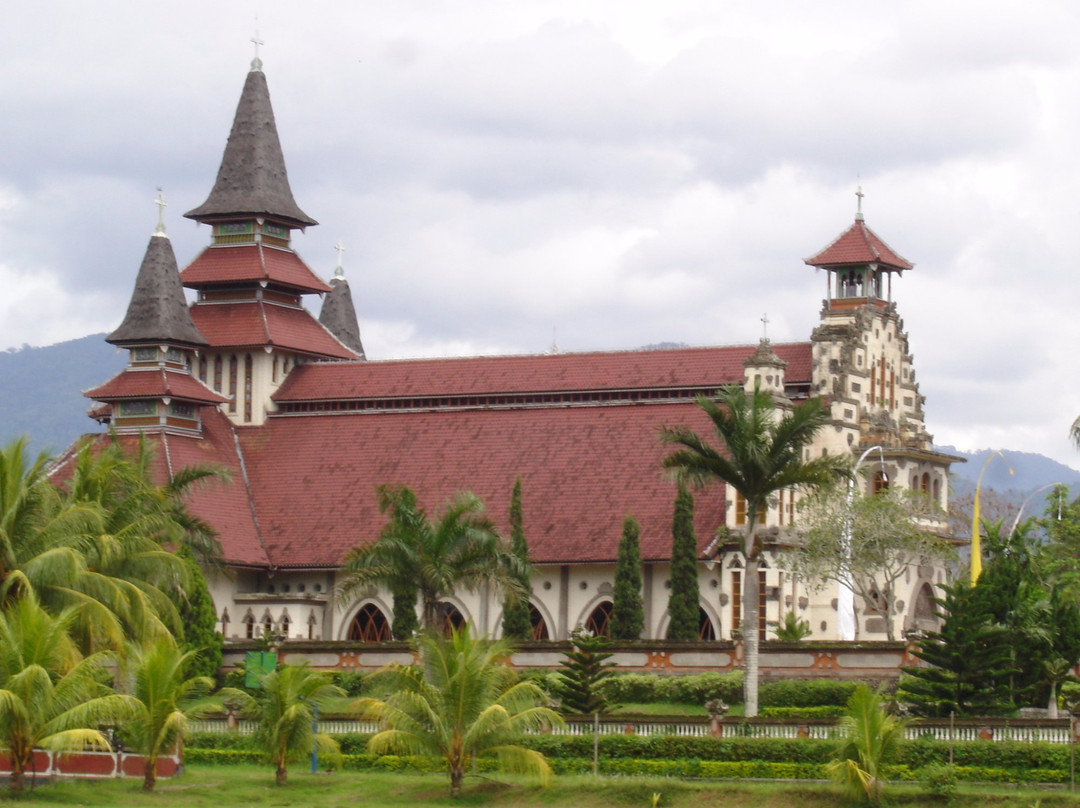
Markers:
<point>937,491</point>
<point>599,621</point>
<point>233,365</point>
<point>450,617</point>
<point>285,624</point>
<point>267,623</point>
<point>881,482</point>
<point>926,483</point>
<point>539,625</point>
<point>248,373</point>
<point>225,623</point>
<point>706,629</point>
<point>370,625</point>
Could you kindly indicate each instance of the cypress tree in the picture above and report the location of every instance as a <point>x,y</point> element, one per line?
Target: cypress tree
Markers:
<point>198,620</point>
<point>970,661</point>
<point>516,622</point>
<point>405,622</point>
<point>628,613</point>
<point>683,600</point>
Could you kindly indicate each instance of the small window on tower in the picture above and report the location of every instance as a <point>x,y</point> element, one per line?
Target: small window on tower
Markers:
<point>144,354</point>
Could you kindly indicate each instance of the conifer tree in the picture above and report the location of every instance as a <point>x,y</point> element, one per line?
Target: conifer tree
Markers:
<point>515,622</point>
<point>628,613</point>
<point>405,622</point>
<point>970,661</point>
<point>683,601</point>
<point>584,668</point>
<point>199,621</point>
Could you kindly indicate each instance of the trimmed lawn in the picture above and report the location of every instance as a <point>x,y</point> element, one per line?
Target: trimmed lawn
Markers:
<point>216,787</point>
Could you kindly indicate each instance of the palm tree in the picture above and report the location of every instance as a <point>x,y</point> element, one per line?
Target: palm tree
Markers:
<point>165,700</point>
<point>100,542</point>
<point>285,709</point>
<point>463,700</point>
<point>871,739</point>
<point>761,452</point>
<point>416,554</point>
<point>50,696</point>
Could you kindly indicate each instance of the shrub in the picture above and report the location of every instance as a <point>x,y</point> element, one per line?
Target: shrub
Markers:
<point>807,693</point>
<point>651,688</point>
<point>939,781</point>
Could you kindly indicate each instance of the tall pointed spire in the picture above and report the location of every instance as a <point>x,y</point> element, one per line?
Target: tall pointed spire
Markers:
<point>158,311</point>
<point>338,314</point>
<point>252,180</point>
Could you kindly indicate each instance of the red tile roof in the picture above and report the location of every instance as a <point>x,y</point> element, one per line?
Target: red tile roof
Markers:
<point>259,323</point>
<point>680,368</point>
<point>224,504</point>
<point>582,468</point>
<point>216,266</point>
<point>856,246</point>
<point>154,382</point>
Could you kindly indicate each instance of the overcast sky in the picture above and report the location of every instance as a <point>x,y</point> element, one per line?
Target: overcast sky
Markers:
<point>607,174</point>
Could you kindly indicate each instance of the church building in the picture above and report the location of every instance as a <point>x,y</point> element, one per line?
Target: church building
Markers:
<point>308,426</point>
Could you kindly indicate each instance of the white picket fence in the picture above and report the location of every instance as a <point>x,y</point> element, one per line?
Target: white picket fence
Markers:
<point>1052,733</point>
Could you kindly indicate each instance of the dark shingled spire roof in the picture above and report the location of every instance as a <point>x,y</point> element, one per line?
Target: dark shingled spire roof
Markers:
<point>339,316</point>
<point>158,311</point>
<point>252,180</point>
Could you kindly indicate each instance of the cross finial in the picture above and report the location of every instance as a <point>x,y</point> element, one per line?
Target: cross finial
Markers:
<point>256,63</point>
<point>339,270</point>
<point>858,204</point>
<point>554,340</point>
<point>161,203</point>
<point>765,326</point>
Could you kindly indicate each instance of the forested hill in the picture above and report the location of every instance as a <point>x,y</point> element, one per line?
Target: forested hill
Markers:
<point>40,390</point>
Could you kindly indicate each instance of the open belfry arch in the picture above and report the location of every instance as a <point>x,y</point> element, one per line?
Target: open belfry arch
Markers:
<point>245,377</point>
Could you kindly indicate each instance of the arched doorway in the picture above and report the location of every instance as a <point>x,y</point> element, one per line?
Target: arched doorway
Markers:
<point>598,621</point>
<point>369,625</point>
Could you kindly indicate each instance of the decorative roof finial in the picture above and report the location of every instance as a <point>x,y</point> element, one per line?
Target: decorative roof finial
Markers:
<point>161,203</point>
<point>765,327</point>
<point>339,270</point>
<point>554,340</point>
<point>256,63</point>
<point>858,204</point>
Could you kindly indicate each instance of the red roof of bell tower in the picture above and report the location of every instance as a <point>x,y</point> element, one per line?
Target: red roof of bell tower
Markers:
<point>857,246</point>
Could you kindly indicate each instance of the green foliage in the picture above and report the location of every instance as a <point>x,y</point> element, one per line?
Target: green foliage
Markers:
<point>516,622</point>
<point>352,683</point>
<point>405,623</point>
<point>628,610</point>
<point>198,621</point>
<point>51,697</point>
<point>462,701</point>
<point>760,452</point>
<point>683,600</point>
<point>653,688</point>
<point>802,712</point>
<point>285,709</point>
<point>460,549</point>
<point>940,780</point>
<point>793,629</point>
<point>165,697</point>
<point>872,739</point>
<point>808,693</point>
<point>970,661</point>
<point>584,668</point>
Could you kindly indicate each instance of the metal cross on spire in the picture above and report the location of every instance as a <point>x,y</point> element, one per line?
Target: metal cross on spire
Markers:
<point>339,270</point>
<point>765,326</point>
<point>161,203</point>
<point>858,204</point>
<point>256,63</point>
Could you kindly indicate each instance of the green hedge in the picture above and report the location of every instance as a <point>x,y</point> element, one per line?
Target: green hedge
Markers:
<point>695,688</point>
<point>806,693</point>
<point>801,712</point>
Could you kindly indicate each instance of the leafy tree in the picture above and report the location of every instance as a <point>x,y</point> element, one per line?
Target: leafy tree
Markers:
<point>516,620</point>
<point>285,709</point>
<point>166,697</point>
<point>1064,651</point>
<point>628,611</point>
<point>970,661</point>
<point>51,697</point>
<point>683,602</point>
<point>461,548</point>
<point>871,739</point>
<point>199,620</point>
<point>585,667</point>
<point>870,542</point>
<point>761,452</point>
<point>462,701</point>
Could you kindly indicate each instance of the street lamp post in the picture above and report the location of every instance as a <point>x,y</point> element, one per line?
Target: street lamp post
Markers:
<point>845,596</point>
